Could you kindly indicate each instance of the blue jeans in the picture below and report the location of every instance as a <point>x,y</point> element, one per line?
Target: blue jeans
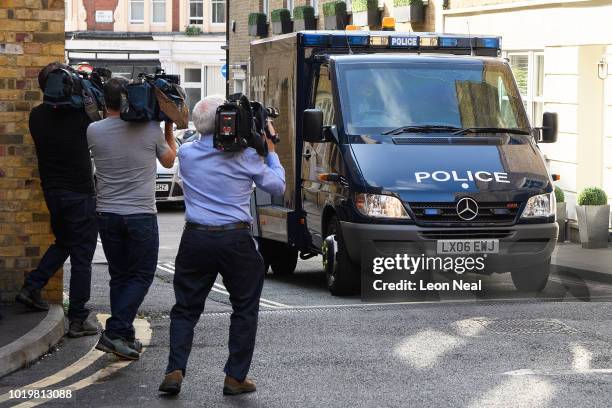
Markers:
<point>130,243</point>
<point>202,255</point>
<point>73,223</point>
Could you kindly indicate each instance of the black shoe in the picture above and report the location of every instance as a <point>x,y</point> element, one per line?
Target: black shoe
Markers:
<point>136,345</point>
<point>119,347</point>
<point>32,299</point>
<point>172,383</point>
<point>80,328</point>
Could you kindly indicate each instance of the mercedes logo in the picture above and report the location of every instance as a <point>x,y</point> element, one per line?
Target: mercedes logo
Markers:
<point>467,209</point>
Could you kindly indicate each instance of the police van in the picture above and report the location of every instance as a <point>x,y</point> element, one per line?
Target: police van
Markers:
<point>409,143</point>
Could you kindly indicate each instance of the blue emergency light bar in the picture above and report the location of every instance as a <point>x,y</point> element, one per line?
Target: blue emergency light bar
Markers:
<point>386,39</point>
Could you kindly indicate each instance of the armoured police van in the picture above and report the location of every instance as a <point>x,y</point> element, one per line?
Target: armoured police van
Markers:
<point>411,143</point>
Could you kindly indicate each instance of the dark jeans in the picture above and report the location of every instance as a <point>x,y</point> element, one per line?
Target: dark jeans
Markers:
<point>73,223</point>
<point>203,254</point>
<point>130,243</point>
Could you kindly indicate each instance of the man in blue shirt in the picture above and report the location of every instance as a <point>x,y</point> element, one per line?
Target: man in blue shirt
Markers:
<point>217,239</point>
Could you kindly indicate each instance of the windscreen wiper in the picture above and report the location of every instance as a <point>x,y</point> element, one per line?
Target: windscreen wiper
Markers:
<point>421,129</point>
<point>491,130</point>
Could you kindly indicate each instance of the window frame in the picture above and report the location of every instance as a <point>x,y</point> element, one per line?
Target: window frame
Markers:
<point>194,85</point>
<point>532,99</point>
<point>153,22</point>
<point>190,17</point>
<point>213,3</point>
<point>130,15</point>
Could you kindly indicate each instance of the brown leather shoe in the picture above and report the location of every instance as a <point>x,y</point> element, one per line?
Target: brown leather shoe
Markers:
<point>231,386</point>
<point>172,383</point>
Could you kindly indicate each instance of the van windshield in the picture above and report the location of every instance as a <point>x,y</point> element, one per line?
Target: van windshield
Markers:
<point>444,96</point>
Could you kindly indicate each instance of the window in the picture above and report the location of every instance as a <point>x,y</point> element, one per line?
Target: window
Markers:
<point>218,11</point>
<point>192,83</point>
<point>459,95</point>
<point>196,11</point>
<point>239,86</point>
<point>528,69</point>
<point>137,11</point>
<point>158,11</point>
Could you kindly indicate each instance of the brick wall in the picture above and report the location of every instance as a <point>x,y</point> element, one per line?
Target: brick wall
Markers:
<point>31,36</point>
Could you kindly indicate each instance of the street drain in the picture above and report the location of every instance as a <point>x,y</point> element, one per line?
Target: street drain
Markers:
<point>526,326</point>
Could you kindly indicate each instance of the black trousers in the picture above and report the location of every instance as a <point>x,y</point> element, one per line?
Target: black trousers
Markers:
<point>73,221</point>
<point>202,255</point>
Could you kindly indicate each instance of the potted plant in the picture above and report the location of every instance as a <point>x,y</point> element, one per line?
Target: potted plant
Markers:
<point>258,25</point>
<point>192,30</point>
<point>304,18</point>
<point>561,213</point>
<point>335,15</point>
<point>593,217</point>
<point>365,12</point>
<point>409,10</point>
<point>281,21</point>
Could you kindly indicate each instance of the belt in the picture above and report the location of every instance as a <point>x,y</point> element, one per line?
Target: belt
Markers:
<point>224,227</point>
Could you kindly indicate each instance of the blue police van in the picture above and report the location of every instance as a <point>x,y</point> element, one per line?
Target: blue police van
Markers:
<point>410,143</point>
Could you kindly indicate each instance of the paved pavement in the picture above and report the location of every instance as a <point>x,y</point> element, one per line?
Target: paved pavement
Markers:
<point>499,348</point>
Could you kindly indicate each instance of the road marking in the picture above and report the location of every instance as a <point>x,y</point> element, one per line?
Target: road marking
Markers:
<point>424,349</point>
<point>143,333</point>
<point>581,364</point>
<point>521,391</point>
<point>219,288</point>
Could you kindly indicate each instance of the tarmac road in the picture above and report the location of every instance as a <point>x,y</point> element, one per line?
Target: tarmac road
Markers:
<point>314,350</point>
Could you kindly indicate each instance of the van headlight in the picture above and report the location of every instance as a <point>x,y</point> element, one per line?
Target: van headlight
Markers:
<point>543,205</point>
<point>382,206</point>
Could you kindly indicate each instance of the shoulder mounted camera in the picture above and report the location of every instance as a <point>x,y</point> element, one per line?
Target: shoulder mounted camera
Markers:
<point>239,123</point>
<point>69,89</point>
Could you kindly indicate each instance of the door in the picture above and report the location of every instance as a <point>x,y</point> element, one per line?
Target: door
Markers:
<point>316,159</point>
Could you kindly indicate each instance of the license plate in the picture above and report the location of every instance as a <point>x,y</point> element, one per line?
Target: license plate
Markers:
<point>468,246</point>
<point>162,187</point>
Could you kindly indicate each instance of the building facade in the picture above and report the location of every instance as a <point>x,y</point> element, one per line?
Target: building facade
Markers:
<point>560,52</point>
<point>184,37</point>
<point>31,36</point>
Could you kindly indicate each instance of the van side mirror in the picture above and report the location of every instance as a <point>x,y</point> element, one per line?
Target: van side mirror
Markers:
<point>312,126</point>
<point>550,125</point>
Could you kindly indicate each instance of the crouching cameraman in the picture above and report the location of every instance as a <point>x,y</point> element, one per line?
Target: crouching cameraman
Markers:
<point>217,239</point>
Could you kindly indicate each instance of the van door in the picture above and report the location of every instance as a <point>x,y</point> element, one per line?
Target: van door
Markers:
<point>316,158</point>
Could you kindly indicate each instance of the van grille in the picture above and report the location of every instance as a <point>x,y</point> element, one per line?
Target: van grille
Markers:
<point>446,213</point>
<point>466,234</point>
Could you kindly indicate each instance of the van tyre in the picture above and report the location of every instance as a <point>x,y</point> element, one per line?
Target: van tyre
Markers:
<point>280,257</point>
<point>342,275</point>
<point>532,278</point>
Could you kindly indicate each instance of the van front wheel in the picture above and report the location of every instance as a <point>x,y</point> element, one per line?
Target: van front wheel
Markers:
<point>341,274</point>
<point>531,278</point>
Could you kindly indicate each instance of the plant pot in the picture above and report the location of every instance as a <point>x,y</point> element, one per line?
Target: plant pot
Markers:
<point>414,13</point>
<point>593,221</point>
<point>561,221</point>
<point>337,22</point>
<point>258,30</point>
<point>282,27</point>
<point>366,18</point>
<point>305,24</point>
